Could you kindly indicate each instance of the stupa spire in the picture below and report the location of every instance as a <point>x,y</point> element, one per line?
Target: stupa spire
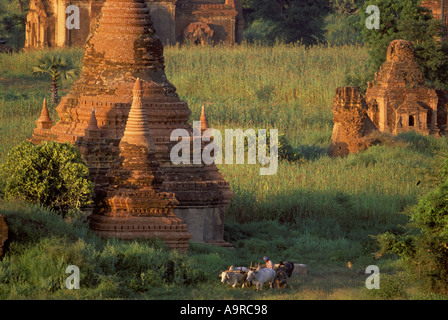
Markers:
<point>44,121</point>
<point>203,120</point>
<point>136,199</point>
<point>92,130</point>
<point>93,124</point>
<point>123,46</point>
<point>137,127</point>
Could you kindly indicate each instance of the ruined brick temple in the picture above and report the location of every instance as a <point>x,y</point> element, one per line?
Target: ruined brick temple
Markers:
<point>396,101</point>
<point>120,113</point>
<point>352,126</point>
<point>175,21</point>
<point>436,8</point>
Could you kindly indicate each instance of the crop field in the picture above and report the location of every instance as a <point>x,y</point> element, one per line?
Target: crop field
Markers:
<point>316,210</point>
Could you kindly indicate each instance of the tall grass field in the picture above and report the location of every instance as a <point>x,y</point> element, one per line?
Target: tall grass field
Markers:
<point>316,210</point>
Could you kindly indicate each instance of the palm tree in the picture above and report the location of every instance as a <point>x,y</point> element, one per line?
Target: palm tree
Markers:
<point>57,68</point>
<point>442,16</point>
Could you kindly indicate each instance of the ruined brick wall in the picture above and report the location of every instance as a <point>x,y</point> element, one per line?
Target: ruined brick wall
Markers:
<point>351,122</point>
<point>3,234</point>
<point>442,111</point>
<point>436,7</point>
<point>46,21</point>
<point>222,18</point>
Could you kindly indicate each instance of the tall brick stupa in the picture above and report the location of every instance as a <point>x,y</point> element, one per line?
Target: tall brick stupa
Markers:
<point>123,64</point>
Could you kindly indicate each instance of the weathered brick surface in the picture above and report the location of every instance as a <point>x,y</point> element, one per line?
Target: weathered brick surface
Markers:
<point>436,8</point>
<point>398,99</point>
<point>195,21</point>
<point>136,204</point>
<point>95,113</point>
<point>352,126</point>
<point>3,234</point>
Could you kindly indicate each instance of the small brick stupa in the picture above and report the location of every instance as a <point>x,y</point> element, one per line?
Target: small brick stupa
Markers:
<point>124,47</point>
<point>136,205</point>
<point>398,99</point>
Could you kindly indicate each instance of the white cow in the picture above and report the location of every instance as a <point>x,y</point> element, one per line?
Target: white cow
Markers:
<point>243,269</point>
<point>233,277</point>
<point>260,276</point>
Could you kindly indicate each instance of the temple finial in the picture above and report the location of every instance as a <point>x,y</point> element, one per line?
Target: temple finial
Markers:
<point>44,114</point>
<point>203,120</point>
<point>93,124</point>
<point>137,127</point>
<point>44,121</point>
<point>137,87</point>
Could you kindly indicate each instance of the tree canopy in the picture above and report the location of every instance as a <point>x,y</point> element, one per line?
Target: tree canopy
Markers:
<point>408,20</point>
<point>12,21</point>
<point>51,174</point>
<point>289,20</point>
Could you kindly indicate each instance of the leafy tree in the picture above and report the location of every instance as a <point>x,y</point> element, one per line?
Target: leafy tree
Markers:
<point>51,174</point>
<point>284,149</point>
<point>261,32</point>
<point>12,22</point>
<point>23,5</point>
<point>341,29</point>
<point>424,247</point>
<point>341,25</point>
<point>406,20</point>
<point>345,6</point>
<point>57,68</point>
<point>291,20</point>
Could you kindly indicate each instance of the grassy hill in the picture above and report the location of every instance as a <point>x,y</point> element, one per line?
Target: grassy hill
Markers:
<point>318,210</point>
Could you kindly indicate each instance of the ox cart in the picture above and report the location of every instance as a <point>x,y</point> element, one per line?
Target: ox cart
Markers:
<point>246,276</point>
<point>283,271</point>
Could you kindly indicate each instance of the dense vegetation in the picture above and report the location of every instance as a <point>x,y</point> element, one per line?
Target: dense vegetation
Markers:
<point>424,247</point>
<point>50,174</point>
<point>405,20</point>
<point>265,20</point>
<point>316,210</point>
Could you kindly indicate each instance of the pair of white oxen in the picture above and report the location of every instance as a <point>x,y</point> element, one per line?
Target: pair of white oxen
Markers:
<point>243,275</point>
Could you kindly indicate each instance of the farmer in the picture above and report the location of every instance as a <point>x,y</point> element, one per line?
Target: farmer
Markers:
<point>269,263</point>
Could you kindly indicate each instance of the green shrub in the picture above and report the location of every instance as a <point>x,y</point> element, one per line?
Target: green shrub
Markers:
<point>261,32</point>
<point>340,29</point>
<point>295,20</point>
<point>424,248</point>
<point>391,287</point>
<point>285,150</point>
<point>51,174</point>
<point>43,245</point>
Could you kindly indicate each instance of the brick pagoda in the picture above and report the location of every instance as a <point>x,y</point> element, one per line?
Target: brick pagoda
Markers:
<point>95,112</point>
<point>398,99</point>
